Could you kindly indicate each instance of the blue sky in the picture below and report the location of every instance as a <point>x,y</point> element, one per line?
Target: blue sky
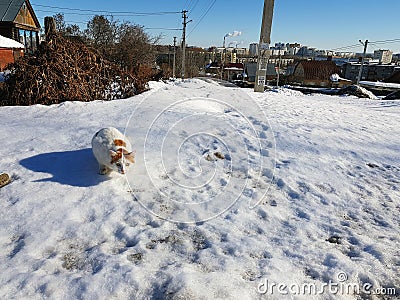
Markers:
<point>317,23</point>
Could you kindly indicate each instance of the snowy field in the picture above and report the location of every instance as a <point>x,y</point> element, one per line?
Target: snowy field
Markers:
<point>234,195</point>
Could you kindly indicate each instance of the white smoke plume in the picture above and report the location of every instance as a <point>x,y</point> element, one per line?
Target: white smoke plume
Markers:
<point>235,33</point>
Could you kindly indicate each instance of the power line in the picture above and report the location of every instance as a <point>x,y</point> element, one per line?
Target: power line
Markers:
<point>66,13</point>
<point>386,41</point>
<point>346,47</point>
<point>186,5</point>
<point>191,9</point>
<point>75,22</point>
<point>202,17</point>
<point>91,14</point>
<point>374,47</point>
<point>161,28</point>
<point>357,46</point>
<point>144,27</point>
<point>189,3</point>
<point>110,12</point>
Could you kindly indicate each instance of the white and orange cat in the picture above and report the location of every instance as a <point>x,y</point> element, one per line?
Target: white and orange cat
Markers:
<point>112,150</point>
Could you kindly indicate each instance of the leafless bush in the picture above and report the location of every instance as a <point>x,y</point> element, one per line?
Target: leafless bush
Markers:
<point>63,70</point>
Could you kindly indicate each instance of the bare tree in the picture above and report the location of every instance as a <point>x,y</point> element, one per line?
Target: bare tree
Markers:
<point>134,46</point>
<point>101,33</point>
<point>126,44</point>
<point>60,22</point>
<point>70,30</point>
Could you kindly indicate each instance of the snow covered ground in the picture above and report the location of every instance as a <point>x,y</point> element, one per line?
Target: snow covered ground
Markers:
<point>378,84</point>
<point>234,195</point>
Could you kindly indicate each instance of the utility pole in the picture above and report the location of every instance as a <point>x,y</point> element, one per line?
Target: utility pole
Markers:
<point>223,57</point>
<point>362,60</point>
<point>169,56</point>
<point>173,66</point>
<point>185,22</point>
<point>265,38</point>
<point>279,69</point>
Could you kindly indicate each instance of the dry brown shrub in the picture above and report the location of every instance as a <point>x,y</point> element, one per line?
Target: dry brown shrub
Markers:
<point>64,70</point>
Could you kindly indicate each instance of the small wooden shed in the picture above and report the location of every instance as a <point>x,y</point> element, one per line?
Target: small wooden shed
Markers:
<point>314,72</point>
<point>19,22</point>
<point>10,51</point>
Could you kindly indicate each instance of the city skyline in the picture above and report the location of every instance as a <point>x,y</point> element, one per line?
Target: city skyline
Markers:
<point>327,26</point>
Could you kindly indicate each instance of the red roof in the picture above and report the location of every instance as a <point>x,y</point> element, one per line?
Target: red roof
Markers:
<point>234,65</point>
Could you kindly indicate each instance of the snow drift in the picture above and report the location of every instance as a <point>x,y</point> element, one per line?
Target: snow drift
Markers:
<point>328,213</point>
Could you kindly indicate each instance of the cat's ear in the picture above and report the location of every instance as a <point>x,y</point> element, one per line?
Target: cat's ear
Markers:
<point>112,153</point>
<point>130,156</point>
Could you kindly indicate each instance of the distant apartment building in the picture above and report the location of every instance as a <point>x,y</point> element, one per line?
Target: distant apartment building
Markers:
<point>293,45</point>
<point>278,52</point>
<point>230,55</point>
<point>321,53</point>
<point>384,56</point>
<point>306,51</point>
<point>241,51</point>
<point>292,49</point>
<point>226,55</point>
<point>279,46</point>
<point>345,54</point>
<point>253,49</point>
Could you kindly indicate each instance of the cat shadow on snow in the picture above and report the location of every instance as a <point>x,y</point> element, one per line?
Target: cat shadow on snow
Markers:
<point>75,168</point>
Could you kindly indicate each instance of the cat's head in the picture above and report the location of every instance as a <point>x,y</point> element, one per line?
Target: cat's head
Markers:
<point>120,159</point>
